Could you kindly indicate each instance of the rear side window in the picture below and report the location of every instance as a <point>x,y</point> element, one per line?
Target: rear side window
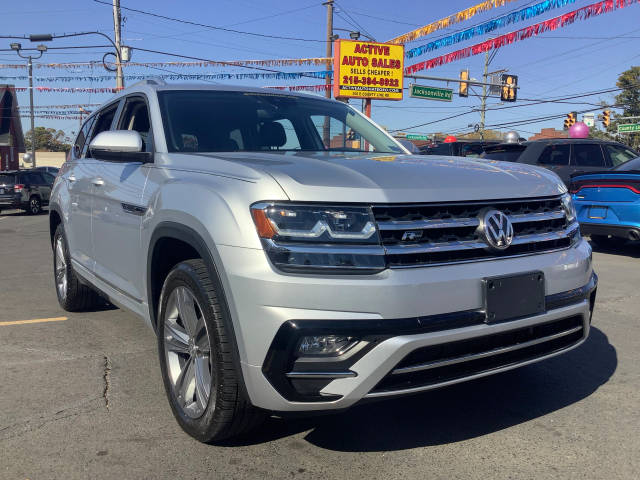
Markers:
<point>7,179</point>
<point>504,154</point>
<point>588,155</point>
<point>555,155</point>
<point>81,140</point>
<point>440,149</point>
<point>474,150</point>
<point>625,167</point>
<point>619,155</point>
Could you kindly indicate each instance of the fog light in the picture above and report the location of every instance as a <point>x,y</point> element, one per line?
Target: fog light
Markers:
<point>327,345</point>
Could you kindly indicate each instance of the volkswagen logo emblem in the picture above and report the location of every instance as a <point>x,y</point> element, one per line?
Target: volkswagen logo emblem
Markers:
<point>497,230</point>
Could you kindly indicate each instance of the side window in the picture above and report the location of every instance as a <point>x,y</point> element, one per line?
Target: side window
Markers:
<point>472,150</point>
<point>588,155</point>
<point>555,155</point>
<point>37,178</point>
<point>81,139</point>
<point>135,116</point>
<point>335,135</point>
<point>102,124</point>
<point>618,154</point>
<point>48,178</point>
<point>292,142</point>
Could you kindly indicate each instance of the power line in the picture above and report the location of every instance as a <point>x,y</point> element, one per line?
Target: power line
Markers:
<point>212,27</point>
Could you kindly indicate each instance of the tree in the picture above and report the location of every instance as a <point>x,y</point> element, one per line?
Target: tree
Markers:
<point>629,98</point>
<point>49,140</point>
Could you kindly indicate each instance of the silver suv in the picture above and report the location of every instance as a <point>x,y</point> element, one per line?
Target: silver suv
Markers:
<point>292,256</point>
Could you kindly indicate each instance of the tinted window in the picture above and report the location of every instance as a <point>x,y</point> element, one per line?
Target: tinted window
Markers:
<point>473,150</point>
<point>81,140</point>
<point>48,178</point>
<point>103,123</point>
<point>135,116</point>
<point>555,155</point>
<point>7,179</point>
<point>37,178</point>
<point>619,154</point>
<point>219,121</point>
<point>630,165</point>
<point>588,155</point>
<point>504,154</point>
<point>439,149</point>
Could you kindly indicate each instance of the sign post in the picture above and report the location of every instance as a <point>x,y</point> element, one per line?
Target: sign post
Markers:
<point>368,70</point>
<point>430,93</point>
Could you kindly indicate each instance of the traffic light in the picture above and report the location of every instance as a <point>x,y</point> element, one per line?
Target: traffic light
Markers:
<point>570,120</point>
<point>509,90</point>
<point>463,89</point>
<point>606,118</point>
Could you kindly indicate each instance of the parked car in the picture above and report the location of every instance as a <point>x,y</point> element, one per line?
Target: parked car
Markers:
<point>28,190</point>
<point>459,148</point>
<point>288,268</point>
<point>563,156</point>
<point>608,203</point>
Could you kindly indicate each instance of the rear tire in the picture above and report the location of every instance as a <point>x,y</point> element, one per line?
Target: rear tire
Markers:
<point>35,205</point>
<point>73,296</point>
<point>606,241</point>
<point>201,380</point>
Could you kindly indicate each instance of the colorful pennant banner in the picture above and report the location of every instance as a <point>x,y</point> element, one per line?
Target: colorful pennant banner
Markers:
<point>303,88</point>
<point>446,22</point>
<point>583,13</point>
<point>201,76</point>
<point>487,27</point>
<point>279,62</point>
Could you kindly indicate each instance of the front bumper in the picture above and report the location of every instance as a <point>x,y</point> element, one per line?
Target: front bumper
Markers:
<point>409,309</point>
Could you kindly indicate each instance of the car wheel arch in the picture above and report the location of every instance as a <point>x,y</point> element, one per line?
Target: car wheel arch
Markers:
<point>190,237</point>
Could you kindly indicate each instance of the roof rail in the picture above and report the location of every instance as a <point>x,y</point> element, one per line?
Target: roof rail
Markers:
<point>149,81</point>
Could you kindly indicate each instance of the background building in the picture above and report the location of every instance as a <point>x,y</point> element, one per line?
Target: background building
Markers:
<point>11,137</point>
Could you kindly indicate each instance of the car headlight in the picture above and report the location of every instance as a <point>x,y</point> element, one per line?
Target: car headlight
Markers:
<point>319,237</point>
<point>569,208</point>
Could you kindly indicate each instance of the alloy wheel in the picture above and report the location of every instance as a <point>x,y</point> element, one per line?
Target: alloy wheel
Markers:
<point>61,269</point>
<point>188,352</point>
<point>34,204</point>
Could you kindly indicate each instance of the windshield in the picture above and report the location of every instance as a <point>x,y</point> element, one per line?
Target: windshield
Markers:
<point>630,165</point>
<point>213,121</point>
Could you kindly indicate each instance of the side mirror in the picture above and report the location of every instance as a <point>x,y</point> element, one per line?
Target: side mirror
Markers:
<point>119,146</point>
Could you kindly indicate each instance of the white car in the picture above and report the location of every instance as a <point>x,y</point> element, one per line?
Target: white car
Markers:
<point>291,256</point>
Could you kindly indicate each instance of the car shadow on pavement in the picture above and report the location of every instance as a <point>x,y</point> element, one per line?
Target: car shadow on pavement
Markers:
<point>629,249</point>
<point>458,412</point>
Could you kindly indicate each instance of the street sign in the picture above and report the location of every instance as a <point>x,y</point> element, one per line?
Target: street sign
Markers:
<point>368,70</point>
<point>411,136</point>
<point>430,93</point>
<point>629,127</point>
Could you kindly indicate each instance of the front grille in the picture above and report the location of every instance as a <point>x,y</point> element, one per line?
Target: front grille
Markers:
<point>437,364</point>
<point>415,235</point>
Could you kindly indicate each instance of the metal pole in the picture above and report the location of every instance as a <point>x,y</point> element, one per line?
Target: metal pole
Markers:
<point>117,23</point>
<point>33,128</point>
<point>484,93</point>
<point>329,4</point>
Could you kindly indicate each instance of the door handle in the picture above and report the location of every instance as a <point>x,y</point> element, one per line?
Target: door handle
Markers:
<point>98,182</point>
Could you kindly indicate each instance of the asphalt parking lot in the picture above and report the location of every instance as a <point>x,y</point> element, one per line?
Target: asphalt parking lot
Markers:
<point>81,397</point>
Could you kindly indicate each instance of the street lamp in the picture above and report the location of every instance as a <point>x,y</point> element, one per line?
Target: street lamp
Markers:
<point>17,47</point>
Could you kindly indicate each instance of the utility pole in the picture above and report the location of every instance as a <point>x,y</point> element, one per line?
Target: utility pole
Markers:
<point>329,4</point>
<point>33,128</point>
<point>117,24</point>
<point>483,105</point>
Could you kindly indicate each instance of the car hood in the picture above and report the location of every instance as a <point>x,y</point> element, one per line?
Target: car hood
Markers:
<point>388,178</point>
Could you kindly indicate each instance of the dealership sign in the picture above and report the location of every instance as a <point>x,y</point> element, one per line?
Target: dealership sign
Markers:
<point>368,70</point>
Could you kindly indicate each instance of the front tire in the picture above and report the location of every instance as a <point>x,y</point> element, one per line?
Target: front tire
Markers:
<point>201,380</point>
<point>73,296</point>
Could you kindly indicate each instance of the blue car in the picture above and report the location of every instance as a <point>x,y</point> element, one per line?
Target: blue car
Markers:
<point>608,203</point>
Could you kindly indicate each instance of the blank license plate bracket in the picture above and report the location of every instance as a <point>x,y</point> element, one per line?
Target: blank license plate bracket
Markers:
<point>513,296</point>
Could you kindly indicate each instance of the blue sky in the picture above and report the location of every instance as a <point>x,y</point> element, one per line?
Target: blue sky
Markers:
<point>583,57</point>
